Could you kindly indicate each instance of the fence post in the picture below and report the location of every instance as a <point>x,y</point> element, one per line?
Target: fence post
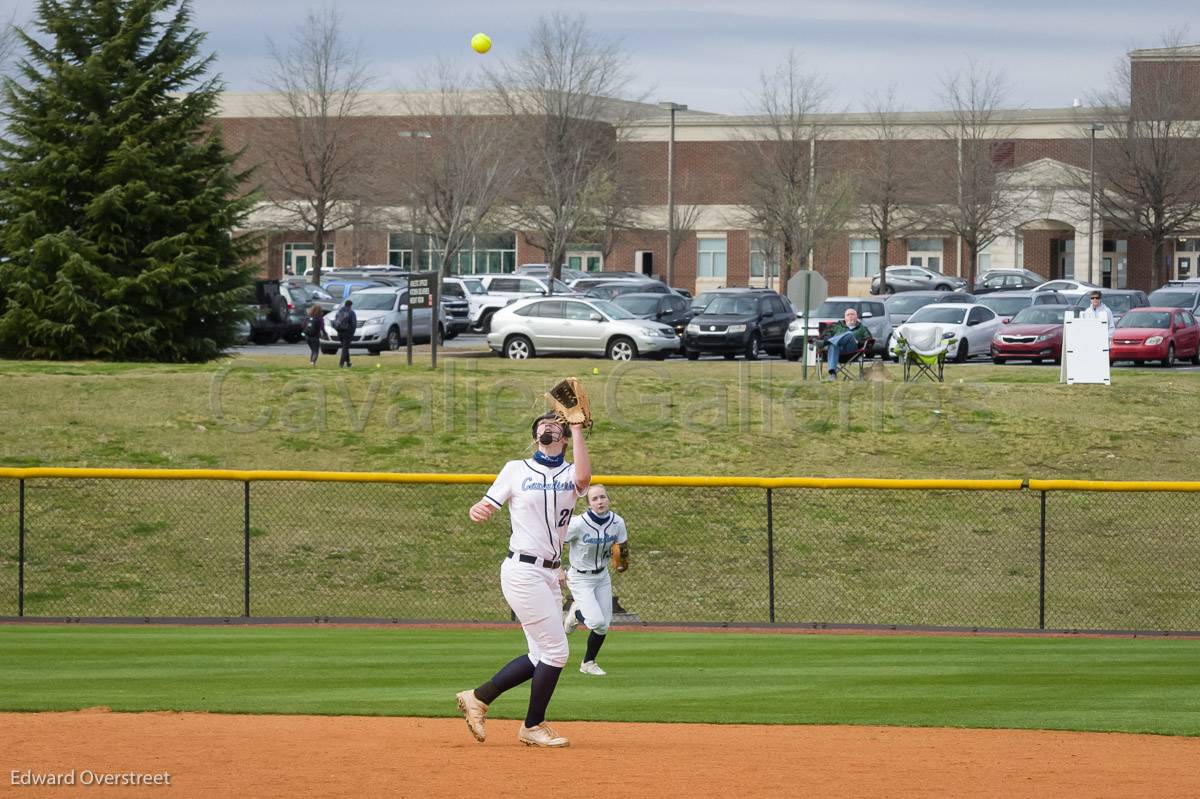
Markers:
<point>770,557</point>
<point>246,552</point>
<point>1042,568</point>
<point>21,548</point>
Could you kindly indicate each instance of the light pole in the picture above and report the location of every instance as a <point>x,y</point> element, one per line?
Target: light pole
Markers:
<point>672,107</point>
<point>1092,128</point>
<point>412,136</point>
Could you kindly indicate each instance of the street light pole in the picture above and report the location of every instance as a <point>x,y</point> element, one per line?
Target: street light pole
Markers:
<point>672,107</point>
<point>1092,128</point>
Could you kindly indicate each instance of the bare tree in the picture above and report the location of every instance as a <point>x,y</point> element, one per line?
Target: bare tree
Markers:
<point>888,176</point>
<point>792,198</point>
<point>562,88</point>
<point>980,201</point>
<point>318,166</point>
<point>1148,155</point>
<point>456,187</point>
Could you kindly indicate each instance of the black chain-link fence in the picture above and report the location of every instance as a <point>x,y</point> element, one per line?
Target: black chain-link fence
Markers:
<point>291,548</point>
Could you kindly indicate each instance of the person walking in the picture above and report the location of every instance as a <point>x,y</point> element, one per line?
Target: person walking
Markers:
<point>312,331</point>
<point>345,323</point>
<point>541,492</point>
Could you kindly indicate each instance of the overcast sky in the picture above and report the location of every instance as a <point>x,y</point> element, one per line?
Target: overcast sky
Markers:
<point>709,54</point>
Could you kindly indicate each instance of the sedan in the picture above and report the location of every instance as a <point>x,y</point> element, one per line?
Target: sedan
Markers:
<point>1067,288</point>
<point>901,306</point>
<point>1007,280</point>
<point>615,288</point>
<point>665,308</point>
<point>1008,303</point>
<point>973,325</point>
<point>1035,333</point>
<point>1156,334</point>
<point>581,326</point>
<point>1177,296</point>
<point>917,278</point>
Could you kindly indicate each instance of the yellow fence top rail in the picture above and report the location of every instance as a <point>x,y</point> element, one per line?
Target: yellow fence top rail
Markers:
<point>694,481</point>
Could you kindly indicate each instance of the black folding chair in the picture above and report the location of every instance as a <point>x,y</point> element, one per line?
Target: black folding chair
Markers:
<point>850,364</point>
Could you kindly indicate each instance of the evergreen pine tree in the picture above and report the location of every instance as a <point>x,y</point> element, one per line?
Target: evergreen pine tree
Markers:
<point>118,199</point>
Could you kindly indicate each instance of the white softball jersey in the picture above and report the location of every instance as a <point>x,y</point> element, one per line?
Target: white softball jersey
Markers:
<point>591,540</point>
<point>540,501</point>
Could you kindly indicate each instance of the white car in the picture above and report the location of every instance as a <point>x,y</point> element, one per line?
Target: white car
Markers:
<point>972,324</point>
<point>502,289</point>
<point>543,325</point>
<point>382,315</point>
<point>1072,289</point>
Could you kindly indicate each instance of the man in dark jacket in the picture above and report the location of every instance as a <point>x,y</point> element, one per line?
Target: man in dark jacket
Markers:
<point>344,324</point>
<point>844,337</point>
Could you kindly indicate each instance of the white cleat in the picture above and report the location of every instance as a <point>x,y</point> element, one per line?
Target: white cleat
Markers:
<point>590,667</point>
<point>569,620</point>
<point>475,712</point>
<point>541,735</point>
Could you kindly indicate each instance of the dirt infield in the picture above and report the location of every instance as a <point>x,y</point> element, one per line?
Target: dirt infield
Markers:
<point>288,756</point>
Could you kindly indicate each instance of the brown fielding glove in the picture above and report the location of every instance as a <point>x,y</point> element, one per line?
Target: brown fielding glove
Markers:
<point>620,556</point>
<point>569,402</point>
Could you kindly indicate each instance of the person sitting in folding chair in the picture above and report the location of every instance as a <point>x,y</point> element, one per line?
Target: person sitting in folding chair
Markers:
<point>846,338</point>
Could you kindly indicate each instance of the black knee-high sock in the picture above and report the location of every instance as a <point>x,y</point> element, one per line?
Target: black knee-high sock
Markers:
<point>517,671</point>
<point>544,679</point>
<point>595,641</point>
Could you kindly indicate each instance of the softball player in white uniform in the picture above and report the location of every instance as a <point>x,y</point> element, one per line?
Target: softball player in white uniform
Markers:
<point>541,493</point>
<point>591,537</point>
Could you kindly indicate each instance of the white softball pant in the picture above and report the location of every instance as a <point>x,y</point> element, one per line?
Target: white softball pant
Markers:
<point>593,592</point>
<point>533,594</point>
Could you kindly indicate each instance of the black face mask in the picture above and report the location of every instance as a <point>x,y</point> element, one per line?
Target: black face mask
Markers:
<point>546,438</point>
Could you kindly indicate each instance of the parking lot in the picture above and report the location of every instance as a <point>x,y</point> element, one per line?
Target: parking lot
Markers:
<point>475,345</point>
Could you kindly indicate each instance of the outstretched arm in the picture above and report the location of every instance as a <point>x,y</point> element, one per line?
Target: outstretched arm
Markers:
<point>579,455</point>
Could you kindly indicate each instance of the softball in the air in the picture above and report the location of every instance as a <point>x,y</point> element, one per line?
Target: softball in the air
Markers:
<point>481,43</point>
<point>595,370</point>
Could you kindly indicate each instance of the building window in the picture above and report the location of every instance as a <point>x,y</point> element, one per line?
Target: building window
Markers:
<point>763,252</point>
<point>710,258</point>
<point>926,253</point>
<point>298,257</point>
<point>864,257</point>
<point>585,260</point>
<point>485,254</point>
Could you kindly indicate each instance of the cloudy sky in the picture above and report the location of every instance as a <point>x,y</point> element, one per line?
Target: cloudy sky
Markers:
<point>709,54</point>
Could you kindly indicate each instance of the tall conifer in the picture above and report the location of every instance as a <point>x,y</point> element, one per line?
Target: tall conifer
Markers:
<point>118,200</point>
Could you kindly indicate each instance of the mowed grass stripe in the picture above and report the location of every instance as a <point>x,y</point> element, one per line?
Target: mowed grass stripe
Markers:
<point>1126,685</point>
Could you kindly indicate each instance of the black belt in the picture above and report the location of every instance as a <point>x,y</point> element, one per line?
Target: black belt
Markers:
<point>591,571</point>
<point>549,564</point>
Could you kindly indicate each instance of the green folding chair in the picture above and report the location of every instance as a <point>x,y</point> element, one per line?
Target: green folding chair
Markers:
<point>923,351</point>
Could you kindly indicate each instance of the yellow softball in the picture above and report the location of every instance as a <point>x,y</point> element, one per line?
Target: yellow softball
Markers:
<point>481,43</point>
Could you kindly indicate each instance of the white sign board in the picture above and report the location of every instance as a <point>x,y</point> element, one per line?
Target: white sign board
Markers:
<point>1084,351</point>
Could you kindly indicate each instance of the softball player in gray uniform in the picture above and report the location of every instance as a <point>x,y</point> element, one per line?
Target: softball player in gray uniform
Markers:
<point>591,537</point>
<point>541,493</point>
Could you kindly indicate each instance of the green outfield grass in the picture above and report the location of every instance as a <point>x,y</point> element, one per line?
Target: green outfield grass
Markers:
<point>677,417</point>
<point>1126,685</point>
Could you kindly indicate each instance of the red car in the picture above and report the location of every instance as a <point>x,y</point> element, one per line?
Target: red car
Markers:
<point>1034,333</point>
<point>1156,334</point>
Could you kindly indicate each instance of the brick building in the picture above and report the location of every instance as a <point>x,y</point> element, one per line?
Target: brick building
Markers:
<point>1044,152</point>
